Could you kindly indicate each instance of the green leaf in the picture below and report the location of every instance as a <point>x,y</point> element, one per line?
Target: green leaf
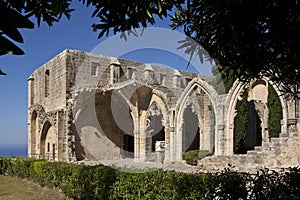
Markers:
<point>159,7</point>
<point>149,14</point>
<point>14,18</point>
<point>7,47</point>
<point>11,31</point>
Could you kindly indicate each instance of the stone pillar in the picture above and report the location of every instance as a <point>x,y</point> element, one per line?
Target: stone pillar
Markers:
<point>69,137</point>
<point>61,135</point>
<point>221,144</point>
<point>30,103</point>
<point>148,73</point>
<point>176,79</point>
<point>142,140</point>
<point>283,124</point>
<point>167,145</point>
<point>263,112</point>
<point>179,143</point>
<point>31,92</point>
<point>292,126</point>
<point>29,149</point>
<point>223,140</point>
<point>111,74</point>
<point>136,144</point>
<point>172,145</point>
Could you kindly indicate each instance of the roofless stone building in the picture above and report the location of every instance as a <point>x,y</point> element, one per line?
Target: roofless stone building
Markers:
<point>83,106</point>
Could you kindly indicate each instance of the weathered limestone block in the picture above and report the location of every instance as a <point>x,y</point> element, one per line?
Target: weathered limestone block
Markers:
<point>84,106</point>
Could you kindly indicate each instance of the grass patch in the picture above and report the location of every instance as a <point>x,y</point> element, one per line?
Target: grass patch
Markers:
<point>14,189</point>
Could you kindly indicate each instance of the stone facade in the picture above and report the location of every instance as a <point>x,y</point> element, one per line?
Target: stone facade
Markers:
<point>83,106</point>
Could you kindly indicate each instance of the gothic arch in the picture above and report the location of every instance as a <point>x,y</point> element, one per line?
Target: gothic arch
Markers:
<point>191,128</point>
<point>159,99</point>
<point>183,103</point>
<point>156,109</point>
<point>101,123</point>
<point>197,82</point>
<point>48,142</point>
<point>233,95</point>
<point>47,83</point>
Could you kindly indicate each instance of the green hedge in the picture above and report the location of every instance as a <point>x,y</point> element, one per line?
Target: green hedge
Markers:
<point>191,157</point>
<point>79,181</point>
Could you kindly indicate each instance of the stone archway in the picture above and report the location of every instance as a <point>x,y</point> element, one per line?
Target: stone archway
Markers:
<point>247,125</point>
<point>257,106</point>
<point>190,129</point>
<point>155,133</point>
<point>49,142</point>
<point>199,100</point>
<point>154,126</point>
<point>105,125</point>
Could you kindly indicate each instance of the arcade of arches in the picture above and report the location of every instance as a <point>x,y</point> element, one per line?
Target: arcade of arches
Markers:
<point>154,114</point>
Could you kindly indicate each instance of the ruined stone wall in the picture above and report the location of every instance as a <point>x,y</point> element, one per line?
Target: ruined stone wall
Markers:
<point>69,101</point>
<point>46,105</point>
<point>56,89</point>
<point>71,115</point>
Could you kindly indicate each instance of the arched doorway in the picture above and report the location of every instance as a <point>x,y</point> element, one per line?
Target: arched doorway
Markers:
<point>115,126</point>
<point>258,115</point>
<point>247,126</point>
<point>155,134</point>
<point>191,130</point>
<point>49,142</point>
<point>195,121</point>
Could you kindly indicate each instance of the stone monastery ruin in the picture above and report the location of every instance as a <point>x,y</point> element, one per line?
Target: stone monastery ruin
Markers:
<point>83,106</point>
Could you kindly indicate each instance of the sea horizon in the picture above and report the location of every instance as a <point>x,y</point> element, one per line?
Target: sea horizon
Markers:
<point>13,150</point>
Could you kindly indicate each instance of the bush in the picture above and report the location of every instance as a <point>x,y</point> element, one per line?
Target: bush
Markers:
<point>19,167</point>
<point>5,166</point>
<point>191,157</point>
<point>89,182</point>
<point>230,184</point>
<point>79,181</point>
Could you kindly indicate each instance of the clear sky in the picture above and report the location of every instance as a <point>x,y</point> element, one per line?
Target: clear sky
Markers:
<point>40,45</point>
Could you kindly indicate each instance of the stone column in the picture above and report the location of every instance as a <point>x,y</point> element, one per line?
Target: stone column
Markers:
<point>221,144</point>
<point>30,103</point>
<point>137,147</point>
<point>167,145</point>
<point>69,137</point>
<point>142,140</point>
<point>61,135</point>
<point>179,143</point>
<point>172,145</point>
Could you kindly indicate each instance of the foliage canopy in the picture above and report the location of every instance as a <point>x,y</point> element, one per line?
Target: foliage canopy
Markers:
<point>251,38</point>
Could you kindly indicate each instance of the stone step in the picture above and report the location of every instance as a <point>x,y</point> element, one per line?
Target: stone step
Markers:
<point>251,152</point>
<point>279,140</point>
<point>258,149</point>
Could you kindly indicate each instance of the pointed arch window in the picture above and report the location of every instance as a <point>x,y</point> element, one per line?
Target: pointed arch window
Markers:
<point>47,83</point>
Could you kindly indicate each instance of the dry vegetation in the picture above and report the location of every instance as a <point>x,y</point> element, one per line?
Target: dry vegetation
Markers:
<point>14,189</point>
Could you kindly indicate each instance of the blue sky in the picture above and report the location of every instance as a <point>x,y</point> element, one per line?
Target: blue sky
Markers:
<point>40,45</point>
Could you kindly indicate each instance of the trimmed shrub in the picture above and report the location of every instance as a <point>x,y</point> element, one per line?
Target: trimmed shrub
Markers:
<point>79,181</point>
<point>230,184</point>
<point>191,157</point>
<point>5,166</point>
<point>89,182</point>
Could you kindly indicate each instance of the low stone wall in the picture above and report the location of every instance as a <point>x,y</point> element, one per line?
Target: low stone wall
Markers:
<point>279,153</point>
